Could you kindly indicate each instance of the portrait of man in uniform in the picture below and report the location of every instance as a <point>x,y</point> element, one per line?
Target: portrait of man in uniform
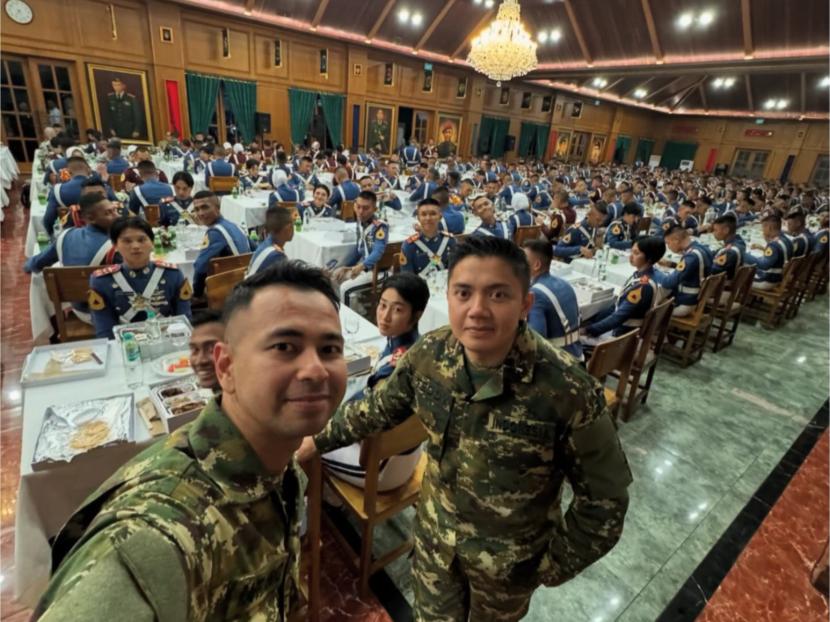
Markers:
<point>378,128</point>
<point>120,103</point>
<point>449,131</point>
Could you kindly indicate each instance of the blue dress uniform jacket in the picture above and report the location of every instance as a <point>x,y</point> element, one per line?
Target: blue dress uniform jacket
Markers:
<point>691,223</point>
<point>452,221</point>
<point>327,211</point>
<point>685,280</point>
<point>199,165</point>
<point>577,199</point>
<point>423,256</point>
<point>172,210</point>
<point>821,241</point>
<point>297,180</point>
<point>65,195</point>
<point>411,155</point>
<point>618,235</point>
<point>508,191</point>
<point>801,244</point>
<point>119,295</point>
<point>372,238</point>
<point>519,218</point>
<point>219,168</point>
<point>729,258</point>
<point>116,166</point>
<point>250,182</point>
<point>76,246</point>
<point>423,191</point>
<point>284,193</point>
<point>266,255</point>
<point>770,267</point>
<point>542,199</point>
<point>577,236</point>
<point>393,183</point>
<point>347,191</point>
<point>55,166</point>
<point>555,313</point>
<point>223,239</point>
<point>497,229</point>
<point>639,294</point>
<point>395,348</point>
<point>614,212</point>
<point>151,192</point>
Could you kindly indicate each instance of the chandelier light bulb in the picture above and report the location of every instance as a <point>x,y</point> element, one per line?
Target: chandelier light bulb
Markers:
<point>685,20</point>
<point>542,37</point>
<point>504,49</point>
<point>417,19</point>
<point>403,15</point>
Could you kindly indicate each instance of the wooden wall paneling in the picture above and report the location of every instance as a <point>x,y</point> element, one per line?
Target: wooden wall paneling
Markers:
<point>131,28</point>
<point>304,66</point>
<point>273,99</point>
<point>203,51</point>
<point>263,55</point>
<point>165,15</point>
<point>54,25</point>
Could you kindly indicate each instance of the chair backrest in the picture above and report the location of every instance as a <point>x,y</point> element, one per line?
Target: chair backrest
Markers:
<point>741,285</point>
<point>650,330</point>
<point>531,232</point>
<point>347,211</point>
<point>219,286</point>
<point>223,264</point>
<point>662,327</point>
<point>788,277</point>
<point>614,354</point>
<point>222,183</point>
<point>116,182</point>
<point>389,261</point>
<point>802,277</point>
<point>710,289</point>
<point>645,224</point>
<point>69,284</point>
<point>152,214</point>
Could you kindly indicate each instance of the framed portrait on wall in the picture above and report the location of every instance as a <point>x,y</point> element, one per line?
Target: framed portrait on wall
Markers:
<point>427,88</point>
<point>389,74</point>
<point>324,62</point>
<point>576,110</point>
<point>563,141</point>
<point>547,103</point>
<point>527,100</point>
<point>277,53</point>
<point>121,103</point>
<point>504,98</point>
<point>166,34</point>
<point>461,89</point>
<point>449,134</point>
<point>597,146</point>
<point>380,123</point>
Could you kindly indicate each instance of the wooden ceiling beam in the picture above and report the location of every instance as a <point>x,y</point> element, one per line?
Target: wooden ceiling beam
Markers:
<point>613,84</point>
<point>703,96</point>
<point>691,89</point>
<point>803,92</point>
<point>484,19</point>
<point>666,86</point>
<point>749,92</point>
<point>249,6</point>
<point>639,85</point>
<point>318,15</point>
<point>438,19</point>
<point>652,31</point>
<point>381,18</point>
<point>583,45</point>
<point>746,22</point>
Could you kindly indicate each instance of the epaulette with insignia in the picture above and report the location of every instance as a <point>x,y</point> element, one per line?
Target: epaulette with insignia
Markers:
<point>644,279</point>
<point>167,200</point>
<point>164,264</point>
<point>413,238</point>
<point>108,270</point>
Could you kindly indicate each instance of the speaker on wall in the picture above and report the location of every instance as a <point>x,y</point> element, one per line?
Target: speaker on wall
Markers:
<point>509,143</point>
<point>263,122</point>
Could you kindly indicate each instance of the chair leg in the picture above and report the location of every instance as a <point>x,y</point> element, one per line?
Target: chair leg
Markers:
<point>365,559</point>
<point>721,328</point>
<point>630,403</point>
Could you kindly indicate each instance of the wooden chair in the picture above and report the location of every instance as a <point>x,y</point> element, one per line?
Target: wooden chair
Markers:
<point>729,308</point>
<point>222,184</point>
<point>770,305</point>
<point>389,261</point>
<point>614,355</point>
<point>218,265</point>
<point>116,182</point>
<point>531,232</point>
<point>693,330</point>
<point>819,278</point>
<point>801,286</point>
<point>372,507</point>
<point>347,211</point>
<point>152,214</point>
<point>310,570</point>
<point>218,286</point>
<point>645,225</point>
<point>68,285</point>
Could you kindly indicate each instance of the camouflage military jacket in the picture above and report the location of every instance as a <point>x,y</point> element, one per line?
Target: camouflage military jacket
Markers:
<point>232,526</point>
<point>491,492</point>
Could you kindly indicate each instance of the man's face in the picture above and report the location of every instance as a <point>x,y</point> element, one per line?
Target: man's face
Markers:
<point>447,134</point>
<point>393,314</point>
<point>486,302</point>
<point>580,186</point>
<point>367,184</point>
<point>380,116</point>
<point>204,156</point>
<point>595,217</point>
<point>104,214</point>
<point>181,189</point>
<point>320,197</point>
<point>674,243</point>
<point>135,247</point>
<point>206,211</point>
<point>465,190</point>
<point>364,209</point>
<point>281,365</point>
<point>118,86</point>
<point>491,188</point>
<point>720,231</point>
<point>629,219</point>
<point>794,225</point>
<point>428,217</point>
<point>637,258</point>
<point>392,169</point>
<point>202,340</point>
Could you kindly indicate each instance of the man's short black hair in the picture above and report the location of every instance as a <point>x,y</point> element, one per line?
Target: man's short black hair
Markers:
<point>88,201</point>
<point>631,208</point>
<point>412,288</point>
<point>705,199</point>
<point>184,176</point>
<point>205,316</point>
<point>324,187</point>
<point>676,228</point>
<point>729,220</point>
<point>207,194</point>
<point>428,201</point>
<point>542,248</point>
<point>653,247</point>
<point>252,163</point>
<point>146,167</point>
<point>130,222</point>
<point>368,195</point>
<point>277,218</point>
<point>600,206</point>
<point>491,246</point>
<point>688,203</point>
<point>289,273</point>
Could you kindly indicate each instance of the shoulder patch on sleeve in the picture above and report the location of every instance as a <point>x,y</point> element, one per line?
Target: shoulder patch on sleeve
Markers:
<point>823,239</point>
<point>95,300</point>
<point>681,265</point>
<point>165,264</point>
<point>185,291</point>
<point>205,241</point>
<point>567,238</point>
<point>380,234</point>
<point>634,296</point>
<point>768,251</point>
<point>721,259</point>
<point>108,270</point>
<point>616,230</point>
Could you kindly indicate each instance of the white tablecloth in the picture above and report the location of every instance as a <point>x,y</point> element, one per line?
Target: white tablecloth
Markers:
<point>47,498</point>
<point>8,173</point>
<point>246,211</point>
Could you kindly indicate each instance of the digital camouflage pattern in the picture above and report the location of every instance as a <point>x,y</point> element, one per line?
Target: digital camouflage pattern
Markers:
<point>200,497</point>
<point>489,520</point>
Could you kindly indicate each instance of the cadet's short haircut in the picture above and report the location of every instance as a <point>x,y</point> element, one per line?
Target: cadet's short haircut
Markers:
<point>676,228</point>
<point>93,181</point>
<point>207,194</point>
<point>146,167</point>
<point>562,195</point>
<point>540,248</point>
<point>728,220</point>
<point>428,201</point>
<point>631,208</point>
<point>491,246</point>
<point>468,181</point>
<point>88,201</point>
<point>412,288</point>
<point>369,177</point>
<point>705,199</point>
<point>184,176</point>
<point>368,195</point>
<point>76,162</point>
<point>251,163</point>
<point>324,187</point>
<point>772,218</point>
<point>600,206</point>
<point>277,218</point>
<point>653,247</point>
<point>130,222</point>
<point>290,273</point>
<point>688,203</point>
<point>219,151</point>
<point>307,159</point>
<point>205,316</point>
<point>143,148</point>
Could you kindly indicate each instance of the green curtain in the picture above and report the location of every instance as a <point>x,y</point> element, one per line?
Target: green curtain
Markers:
<point>644,148</point>
<point>201,100</point>
<point>484,135</point>
<point>500,127</point>
<point>527,136</point>
<point>333,113</point>
<point>242,98</point>
<point>301,109</point>
<point>542,134</point>
<point>674,152</point>
<point>621,149</point>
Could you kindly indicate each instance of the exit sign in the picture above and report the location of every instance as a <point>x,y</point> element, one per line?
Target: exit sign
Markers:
<point>758,133</point>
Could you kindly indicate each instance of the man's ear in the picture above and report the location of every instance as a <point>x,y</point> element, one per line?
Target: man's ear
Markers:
<point>223,363</point>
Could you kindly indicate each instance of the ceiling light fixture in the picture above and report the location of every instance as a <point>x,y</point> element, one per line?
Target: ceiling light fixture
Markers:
<point>729,82</point>
<point>417,19</point>
<point>717,83</point>
<point>825,82</point>
<point>706,18</point>
<point>542,37</point>
<point>488,4</point>
<point>504,49</point>
<point>477,1</point>
<point>600,82</point>
<point>782,103</point>
<point>640,93</point>
<point>403,15</point>
<point>555,35</point>
<point>685,20</point>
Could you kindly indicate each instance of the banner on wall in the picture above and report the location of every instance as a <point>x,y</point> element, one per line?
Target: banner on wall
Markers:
<point>551,148</point>
<point>173,107</point>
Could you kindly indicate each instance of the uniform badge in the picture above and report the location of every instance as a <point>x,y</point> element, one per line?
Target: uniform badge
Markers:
<point>823,239</point>
<point>205,242</point>
<point>396,355</point>
<point>721,259</point>
<point>186,292</point>
<point>380,234</point>
<point>95,301</point>
<point>616,230</point>
<point>634,296</point>
<point>567,238</point>
<point>402,261</point>
<point>681,265</point>
<point>768,252</point>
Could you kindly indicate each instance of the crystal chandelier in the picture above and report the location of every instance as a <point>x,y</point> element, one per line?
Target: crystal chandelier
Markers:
<point>504,49</point>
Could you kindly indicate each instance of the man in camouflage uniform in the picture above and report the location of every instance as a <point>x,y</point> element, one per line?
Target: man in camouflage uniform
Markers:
<point>204,524</point>
<point>509,417</point>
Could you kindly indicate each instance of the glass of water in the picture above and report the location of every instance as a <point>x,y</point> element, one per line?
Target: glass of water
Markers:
<point>178,334</point>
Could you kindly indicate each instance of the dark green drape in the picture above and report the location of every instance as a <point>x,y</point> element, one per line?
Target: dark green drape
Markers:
<point>621,148</point>
<point>527,136</point>
<point>542,134</point>
<point>500,127</point>
<point>644,148</point>
<point>485,133</point>
<point>333,113</point>
<point>242,97</point>
<point>673,152</point>
<point>201,100</point>
<point>301,108</point>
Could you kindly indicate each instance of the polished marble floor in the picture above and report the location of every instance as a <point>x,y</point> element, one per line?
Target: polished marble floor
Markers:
<point>709,437</point>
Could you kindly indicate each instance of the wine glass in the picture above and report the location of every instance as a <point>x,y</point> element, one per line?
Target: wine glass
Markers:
<point>178,334</point>
<point>352,325</point>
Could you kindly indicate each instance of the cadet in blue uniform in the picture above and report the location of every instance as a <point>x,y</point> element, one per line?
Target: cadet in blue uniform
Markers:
<point>200,163</point>
<point>219,167</point>
<point>452,220</point>
<point>427,251</point>
<point>390,178</point>
<point>489,227</point>
<point>355,272</point>
<point>731,257</point>
<point>555,311</point>
<point>821,237</point>
<point>253,178</point>
<point>403,298</point>
<point>318,207</point>
<point>580,195</point>
<point>769,268</point>
<point>685,280</point>
<point>279,222</point>
<point>303,175</point>
<point>410,154</point>
<point>800,238</point>
<point>345,190</point>
<point>427,187</point>
<point>223,237</point>
<point>153,192</point>
<point>521,216</point>
<point>182,198</point>
<point>282,191</point>
<point>621,233</point>
<point>687,218</point>
<point>123,293</point>
<point>639,294</point>
<point>509,190</point>
<point>580,238</point>
<point>65,194</point>
<point>116,164</point>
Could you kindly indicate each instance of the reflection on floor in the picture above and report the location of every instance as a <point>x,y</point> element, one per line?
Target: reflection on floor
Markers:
<point>708,438</point>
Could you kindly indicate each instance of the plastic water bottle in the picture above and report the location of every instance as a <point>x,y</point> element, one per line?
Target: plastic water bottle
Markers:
<point>153,328</point>
<point>132,360</point>
<point>254,237</point>
<point>42,240</point>
<point>298,224</point>
<point>235,191</point>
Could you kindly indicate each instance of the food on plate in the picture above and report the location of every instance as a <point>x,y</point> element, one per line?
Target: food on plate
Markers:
<point>180,365</point>
<point>89,435</point>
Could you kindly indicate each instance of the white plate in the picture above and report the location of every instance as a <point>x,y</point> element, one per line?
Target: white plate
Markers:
<point>165,361</point>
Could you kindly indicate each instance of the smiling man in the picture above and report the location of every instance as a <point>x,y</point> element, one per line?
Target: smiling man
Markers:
<point>204,525</point>
<point>208,330</point>
<point>509,418</point>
